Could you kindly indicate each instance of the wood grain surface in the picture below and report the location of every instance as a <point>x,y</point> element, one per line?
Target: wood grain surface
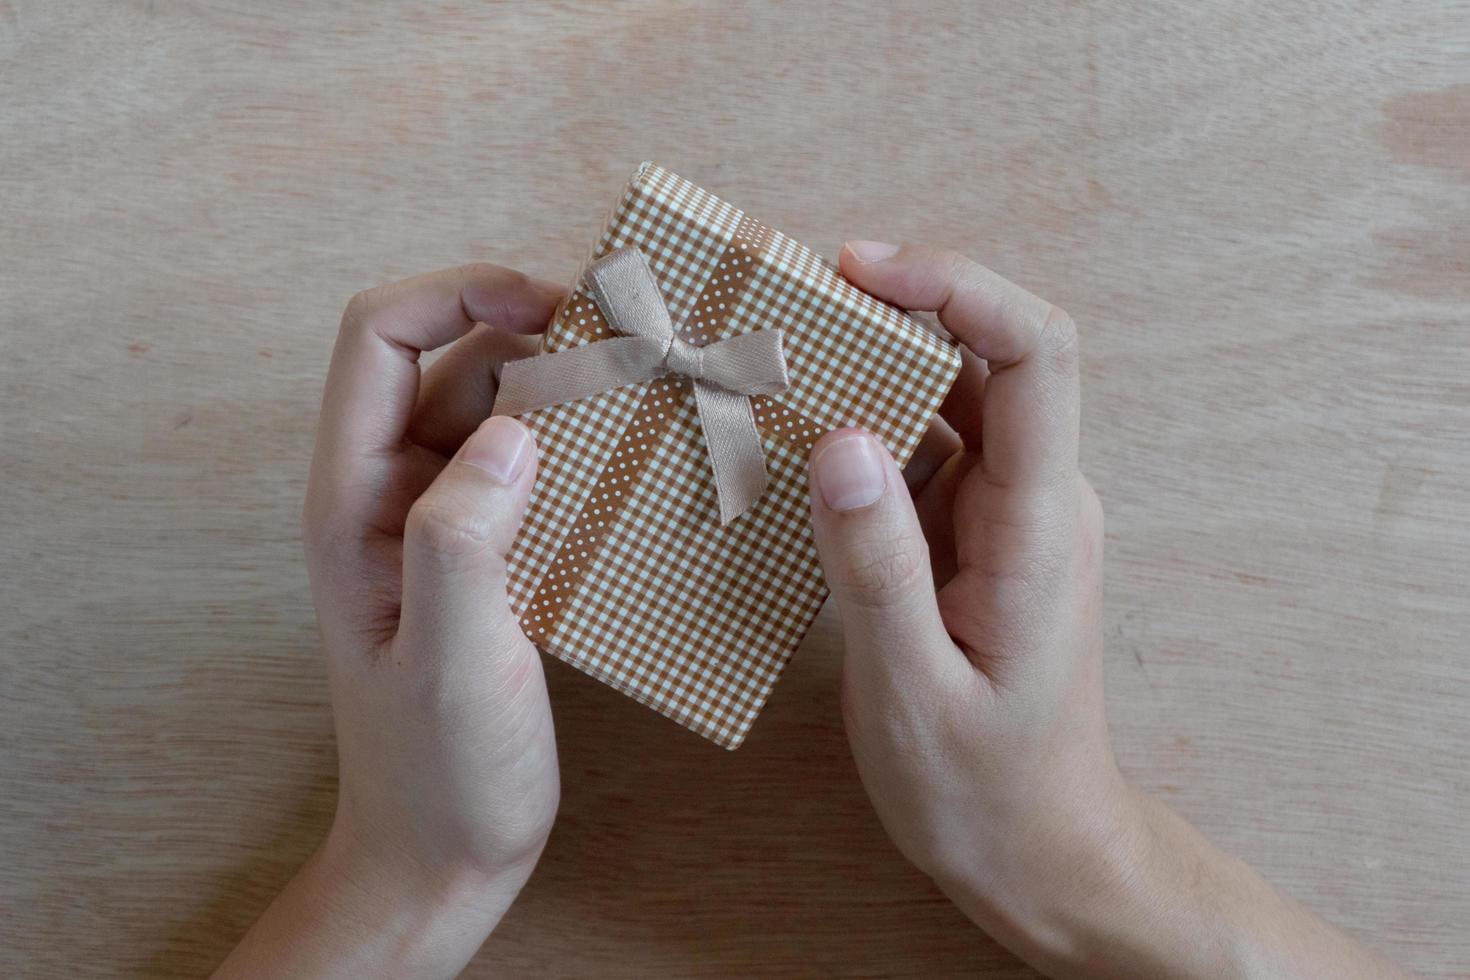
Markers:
<point>1257,212</point>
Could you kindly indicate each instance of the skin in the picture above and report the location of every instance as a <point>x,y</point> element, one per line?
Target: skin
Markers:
<point>970,593</point>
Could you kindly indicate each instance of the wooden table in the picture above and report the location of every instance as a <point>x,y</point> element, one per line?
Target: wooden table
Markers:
<point>1257,212</point>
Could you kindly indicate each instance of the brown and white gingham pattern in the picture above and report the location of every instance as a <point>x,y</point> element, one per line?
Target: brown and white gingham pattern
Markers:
<point>690,618</point>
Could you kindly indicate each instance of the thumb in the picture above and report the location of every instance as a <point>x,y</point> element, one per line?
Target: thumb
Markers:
<point>877,565</point>
<point>455,541</point>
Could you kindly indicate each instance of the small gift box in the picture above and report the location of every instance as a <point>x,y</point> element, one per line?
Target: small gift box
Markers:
<point>667,548</point>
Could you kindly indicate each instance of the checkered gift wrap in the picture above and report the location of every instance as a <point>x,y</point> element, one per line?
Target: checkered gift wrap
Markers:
<point>622,568</point>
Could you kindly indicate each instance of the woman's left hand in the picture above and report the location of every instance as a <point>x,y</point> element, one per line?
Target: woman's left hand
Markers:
<point>447,761</point>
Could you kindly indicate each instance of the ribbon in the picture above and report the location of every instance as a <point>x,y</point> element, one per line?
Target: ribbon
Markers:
<point>724,374</point>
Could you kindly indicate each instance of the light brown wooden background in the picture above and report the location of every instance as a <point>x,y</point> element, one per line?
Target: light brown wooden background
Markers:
<point>1256,211</point>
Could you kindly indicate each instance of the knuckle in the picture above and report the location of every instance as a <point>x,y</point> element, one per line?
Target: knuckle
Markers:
<point>359,306</point>
<point>883,573</point>
<point>497,299</point>
<point>1091,530</point>
<point>480,271</point>
<point>963,272</point>
<point>956,263</point>
<point>1059,341</point>
<point>1092,508</point>
<point>442,528</point>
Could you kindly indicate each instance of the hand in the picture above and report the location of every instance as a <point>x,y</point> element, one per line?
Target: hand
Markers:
<point>448,772</point>
<point>975,712</point>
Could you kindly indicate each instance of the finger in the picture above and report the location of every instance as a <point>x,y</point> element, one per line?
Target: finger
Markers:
<point>876,562</point>
<point>454,544</point>
<point>935,505</point>
<point>372,384</point>
<point>938,444</point>
<point>1030,425</point>
<point>963,405</point>
<point>458,390</point>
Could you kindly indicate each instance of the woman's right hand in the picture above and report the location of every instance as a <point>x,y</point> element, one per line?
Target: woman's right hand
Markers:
<point>972,680</point>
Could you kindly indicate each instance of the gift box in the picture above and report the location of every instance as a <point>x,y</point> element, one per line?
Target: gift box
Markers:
<point>667,548</point>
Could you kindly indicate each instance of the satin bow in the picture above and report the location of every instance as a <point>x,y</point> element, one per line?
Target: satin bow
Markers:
<point>724,374</point>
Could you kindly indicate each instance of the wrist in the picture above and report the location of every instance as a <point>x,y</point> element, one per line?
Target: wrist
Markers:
<point>360,909</point>
<point>382,876</point>
<point>419,919</point>
<point>1121,887</point>
<point>1053,884</point>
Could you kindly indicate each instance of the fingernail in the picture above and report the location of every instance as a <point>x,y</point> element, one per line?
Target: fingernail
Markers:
<point>872,251</point>
<point>849,472</point>
<point>501,446</point>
